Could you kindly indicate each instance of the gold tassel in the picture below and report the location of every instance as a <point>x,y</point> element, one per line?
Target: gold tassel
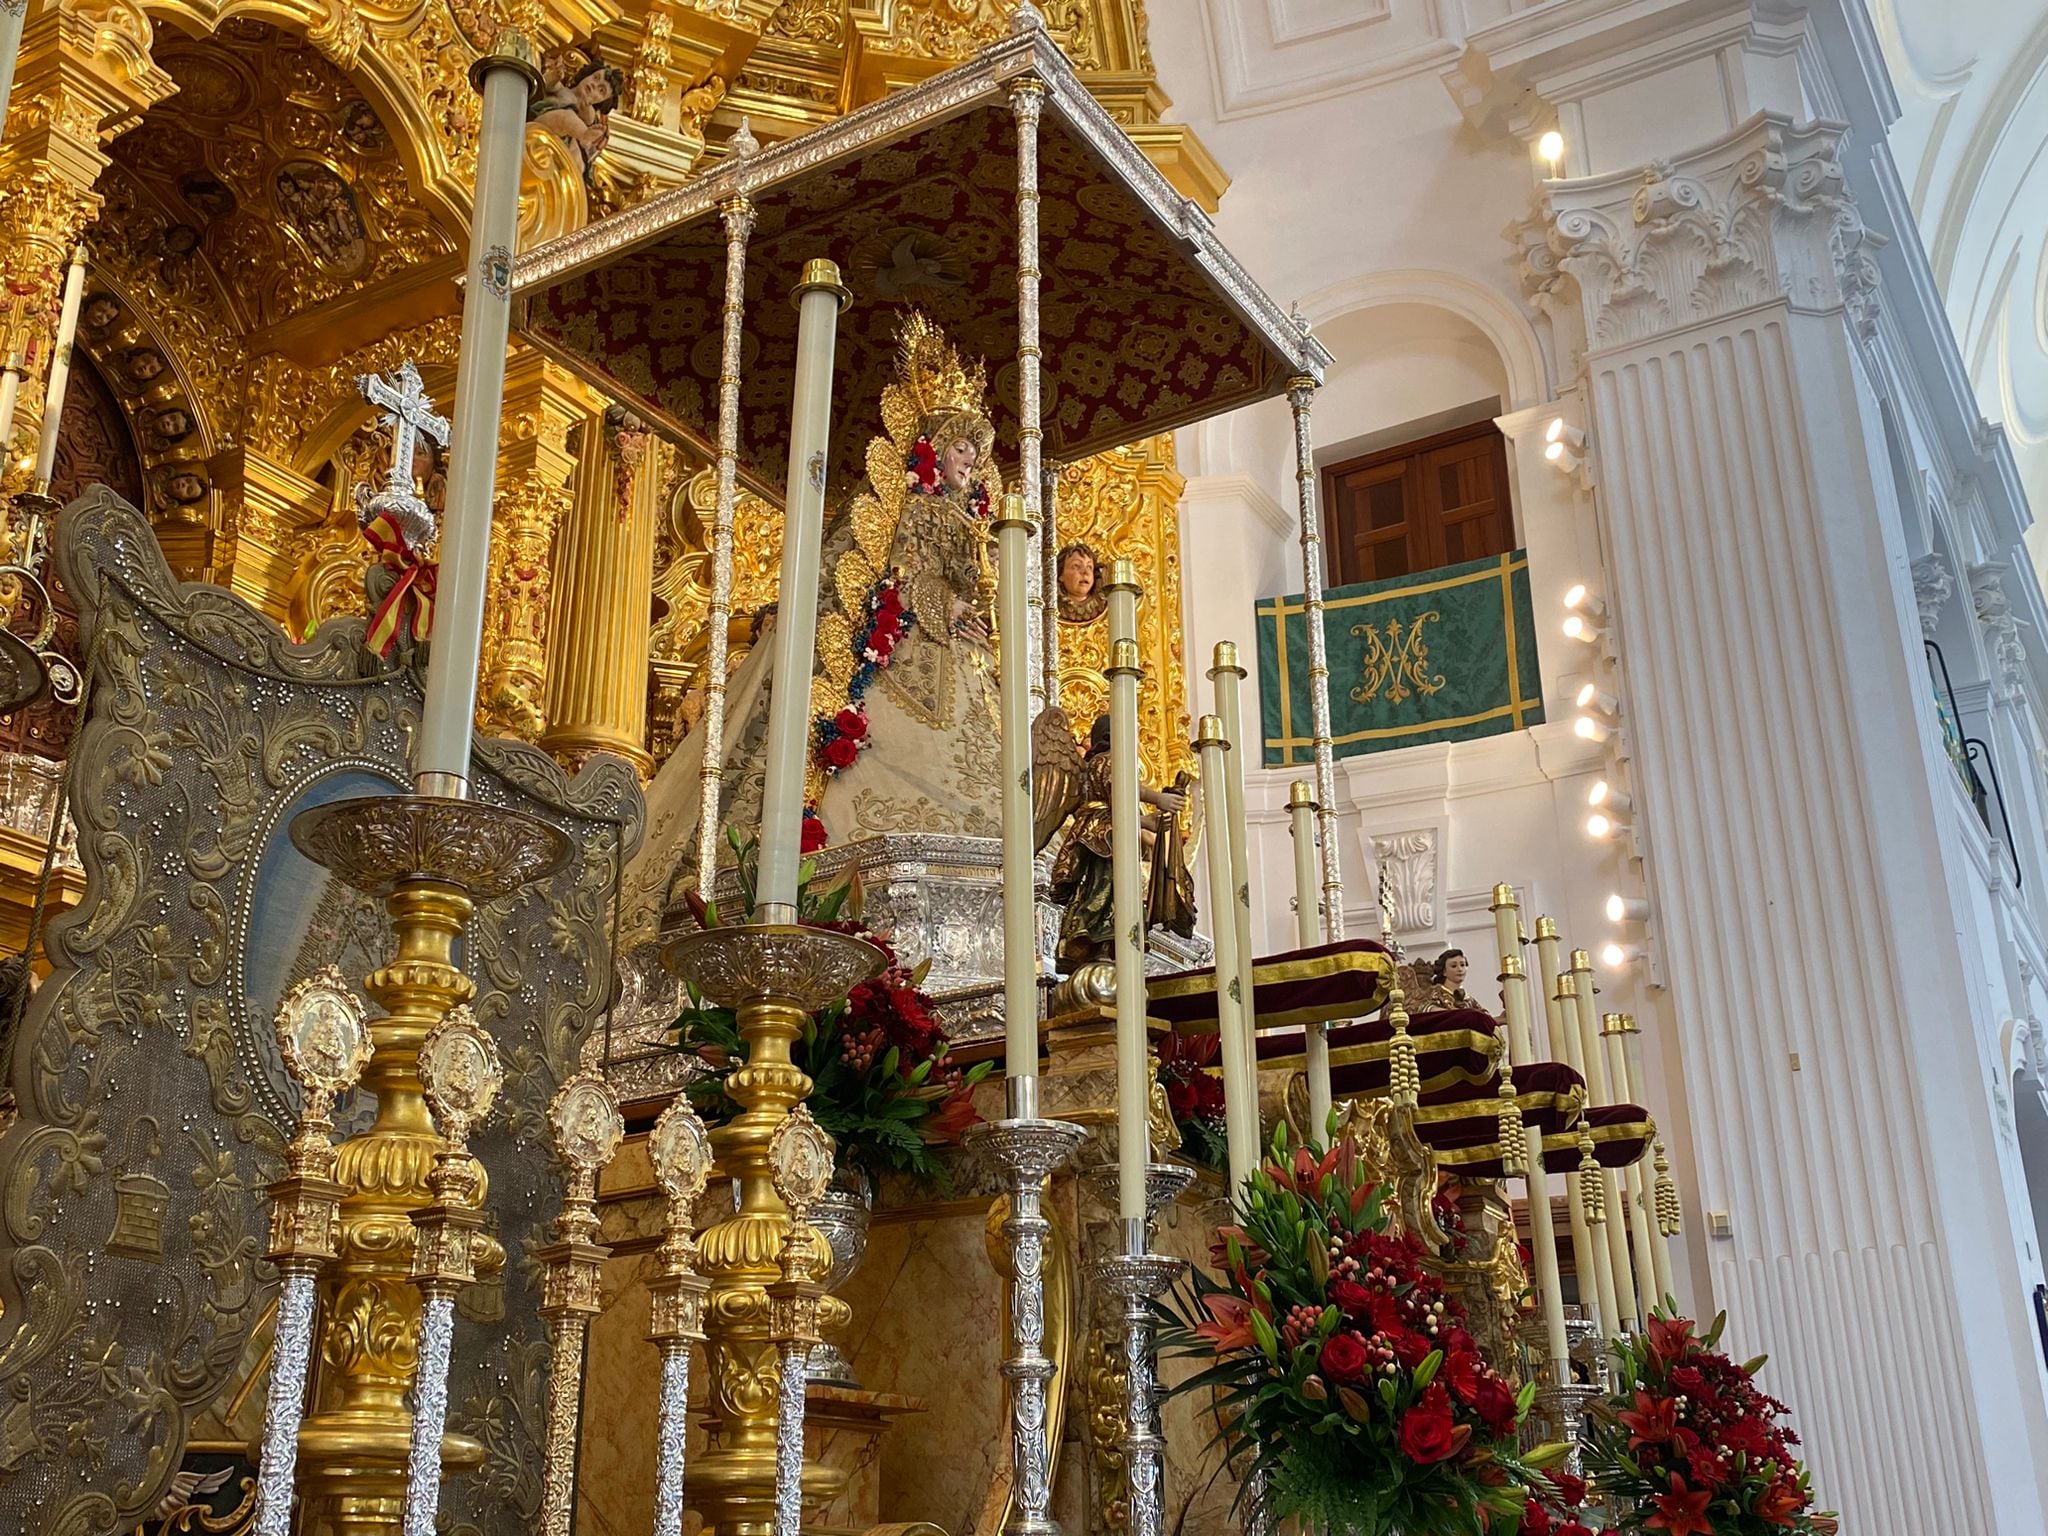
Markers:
<point>1669,1217</point>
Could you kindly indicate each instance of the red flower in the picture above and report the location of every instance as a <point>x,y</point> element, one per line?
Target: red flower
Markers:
<point>1180,1098</point>
<point>1670,1339</point>
<point>921,465</point>
<point>814,835</point>
<point>1427,1434</point>
<point>1410,1348</point>
<point>1386,1313</point>
<point>1461,1373</point>
<point>1748,1436</point>
<point>1574,1528</point>
<point>956,1112</point>
<point>1708,1469</point>
<point>1352,1299</point>
<point>1343,1357</point>
<point>1571,1491</point>
<point>1535,1520</point>
<point>1654,1421</point>
<point>1682,1511</point>
<point>1494,1404</point>
<point>850,723</point>
<point>840,752</point>
<point>1781,1504</point>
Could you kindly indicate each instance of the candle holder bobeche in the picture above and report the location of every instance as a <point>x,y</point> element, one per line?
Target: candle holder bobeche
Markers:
<point>773,976</point>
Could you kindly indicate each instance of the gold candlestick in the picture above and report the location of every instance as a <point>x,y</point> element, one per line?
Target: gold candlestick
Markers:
<point>588,1127</point>
<point>773,976</point>
<point>430,859</point>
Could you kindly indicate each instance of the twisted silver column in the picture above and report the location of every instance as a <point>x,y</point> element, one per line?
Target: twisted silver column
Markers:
<point>672,1436</point>
<point>789,1441</point>
<point>429,1415</point>
<point>1301,393</point>
<point>291,1356</point>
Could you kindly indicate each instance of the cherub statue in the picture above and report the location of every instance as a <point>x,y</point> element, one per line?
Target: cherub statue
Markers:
<point>1077,794</point>
<point>1081,598</point>
<point>904,696</point>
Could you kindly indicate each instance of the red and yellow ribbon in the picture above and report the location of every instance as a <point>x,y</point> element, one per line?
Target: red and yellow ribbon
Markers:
<point>417,579</point>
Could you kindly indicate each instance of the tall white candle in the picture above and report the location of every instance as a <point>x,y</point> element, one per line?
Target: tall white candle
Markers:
<point>1600,1091</point>
<point>1660,1244</point>
<point>60,368</point>
<point>820,296</point>
<point>1613,1026</point>
<point>1020,911</point>
<point>1224,677</point>
<point>1240,1093</point>
<point>1507,923</point>
<point>1315,1039</point>
<point>441,759</point>
<point>1127,887</point>
<point>1589,1248</point>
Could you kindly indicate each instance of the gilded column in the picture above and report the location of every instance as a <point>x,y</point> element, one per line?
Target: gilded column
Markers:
<point>597,649</point>
<point>542,402</point>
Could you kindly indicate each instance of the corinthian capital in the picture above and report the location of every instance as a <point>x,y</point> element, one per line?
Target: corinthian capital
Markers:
<point>1760,215</point>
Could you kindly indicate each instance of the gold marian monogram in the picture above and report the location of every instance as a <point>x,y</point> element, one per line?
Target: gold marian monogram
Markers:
<point>1397,662</point>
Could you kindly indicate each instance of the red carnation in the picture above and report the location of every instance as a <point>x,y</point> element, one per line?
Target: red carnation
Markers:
<point>1427,1434</point>
<point>850,723</point>
<point>1343,1358</point>
<point>840,752</point>
<point>1410,1348</point>
<point>1386,1313</point>
<point>814,836</point>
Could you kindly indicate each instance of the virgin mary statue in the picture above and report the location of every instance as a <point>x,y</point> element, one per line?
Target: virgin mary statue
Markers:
<point>903,692</point>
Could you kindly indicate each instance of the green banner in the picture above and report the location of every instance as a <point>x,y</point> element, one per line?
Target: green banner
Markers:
<point>1443,655</point>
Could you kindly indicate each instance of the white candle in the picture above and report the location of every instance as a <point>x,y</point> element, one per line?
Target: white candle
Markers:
<point>1020,911</point>
<point>1127,881</point>
<point>1224,676</point>
<point>1600,1091</point>
<point>441,759</point>
<point>1315,1039</point>
<point>1507,923</point>
<point>1240,1095</point>
<point>60,368</point>
<point>1613,1027</point>
<point>1589,1248</point>
<point>1660,1245</point>
<point>820,297</point>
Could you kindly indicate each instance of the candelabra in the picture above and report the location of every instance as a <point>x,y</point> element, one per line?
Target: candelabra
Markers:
<point>1028,1150</point>
<point>324,1042</point>
<point>680,1150</point>
<point>430,858</point>
<point>588,1127</point>
<point>1135,1277</point>
<point>773,976</point>
<point>460,1074</point>
<point>800,1157</point>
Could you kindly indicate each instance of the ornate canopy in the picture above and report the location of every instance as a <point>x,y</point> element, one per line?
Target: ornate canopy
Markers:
<point>1147,322</point>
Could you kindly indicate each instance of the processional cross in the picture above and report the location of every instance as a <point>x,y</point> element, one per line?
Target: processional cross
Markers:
<point>409,413</point>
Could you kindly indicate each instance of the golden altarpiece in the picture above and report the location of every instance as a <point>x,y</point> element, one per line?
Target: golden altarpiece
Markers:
<point>274,203</point>
<point>274,200</point>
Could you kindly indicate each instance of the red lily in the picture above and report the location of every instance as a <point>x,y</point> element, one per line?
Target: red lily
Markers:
<point>1654,1421</point>
<point>1230,1322</point>
<point>1681,1512</point>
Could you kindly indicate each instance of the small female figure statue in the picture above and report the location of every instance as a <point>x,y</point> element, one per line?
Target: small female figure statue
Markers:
<point>1447,982</point>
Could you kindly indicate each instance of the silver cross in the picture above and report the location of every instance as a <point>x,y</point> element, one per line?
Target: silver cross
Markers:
<point>409,413</point>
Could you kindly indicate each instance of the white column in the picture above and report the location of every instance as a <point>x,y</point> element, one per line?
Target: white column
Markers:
<point>1758,596</point>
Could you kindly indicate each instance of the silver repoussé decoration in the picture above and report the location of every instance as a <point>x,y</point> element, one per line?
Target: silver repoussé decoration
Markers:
<point>674,1431</point>
<point>789,1446</point>
<point>429,1415</point>
<point>291,1355</point>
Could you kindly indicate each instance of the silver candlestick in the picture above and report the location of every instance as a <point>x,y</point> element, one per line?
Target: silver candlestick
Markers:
<point>680,1150</point>
<point>1028,1150</point>
<point>460,1071</point>
<point>800,1160</point>
<point>1136,1277</point>
<point>325,1043</point>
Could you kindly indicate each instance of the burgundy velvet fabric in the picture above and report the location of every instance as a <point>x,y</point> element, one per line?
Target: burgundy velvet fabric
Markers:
<point>1317,985</point>
<point>1452,1045</point>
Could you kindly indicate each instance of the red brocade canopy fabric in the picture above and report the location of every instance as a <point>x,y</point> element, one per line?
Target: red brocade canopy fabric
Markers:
<point>1291,990</point>
<point>1452,1046</point>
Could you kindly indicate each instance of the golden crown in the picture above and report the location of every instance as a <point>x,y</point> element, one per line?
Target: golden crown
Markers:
<point>930,378</point>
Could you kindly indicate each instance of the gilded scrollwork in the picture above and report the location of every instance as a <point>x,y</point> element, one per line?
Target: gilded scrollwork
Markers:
<point>152,1093</point>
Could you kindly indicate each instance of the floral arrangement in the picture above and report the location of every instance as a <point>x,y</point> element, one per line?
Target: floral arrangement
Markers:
<point>1688,1446</point>
<point>1343,1371</point>
<point>1194,1096</point>
<point>838,739</point>
<point>882,1084</point>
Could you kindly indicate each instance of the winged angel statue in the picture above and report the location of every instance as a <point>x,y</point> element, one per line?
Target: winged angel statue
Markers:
<point>904,691</point>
